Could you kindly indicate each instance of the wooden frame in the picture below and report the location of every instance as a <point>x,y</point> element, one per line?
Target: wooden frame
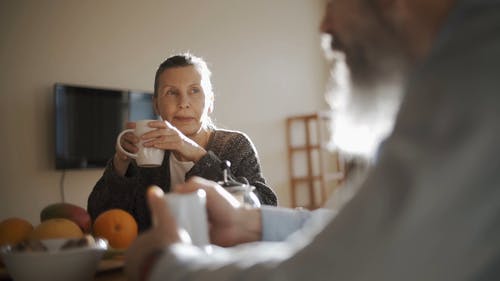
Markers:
<point>314,142</point>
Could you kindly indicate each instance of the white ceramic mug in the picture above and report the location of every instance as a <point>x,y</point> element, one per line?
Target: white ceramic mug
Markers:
<point>190,212</point>
<point>147,157</point>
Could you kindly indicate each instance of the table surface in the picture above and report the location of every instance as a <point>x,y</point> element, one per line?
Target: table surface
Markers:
<point>111,275</point>
<point>108,270</point>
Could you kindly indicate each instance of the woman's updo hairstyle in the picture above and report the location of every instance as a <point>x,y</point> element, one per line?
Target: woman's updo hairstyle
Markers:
<point>186,59</point>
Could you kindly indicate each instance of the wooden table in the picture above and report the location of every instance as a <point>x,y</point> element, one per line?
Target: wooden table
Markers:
<point>109,270</point>
<point>112,275</point>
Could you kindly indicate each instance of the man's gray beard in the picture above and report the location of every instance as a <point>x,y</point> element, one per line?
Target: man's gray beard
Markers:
<point>363,112</point>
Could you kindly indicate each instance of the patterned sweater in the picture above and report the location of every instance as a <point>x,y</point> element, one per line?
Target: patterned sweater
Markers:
<point>128,192</point>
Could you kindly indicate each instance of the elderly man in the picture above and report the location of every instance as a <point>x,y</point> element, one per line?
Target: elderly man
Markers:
<point>429,208</point>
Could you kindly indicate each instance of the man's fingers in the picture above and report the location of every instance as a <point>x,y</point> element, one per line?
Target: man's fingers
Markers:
<point>192,184</point>
<point>160,213</point>
<point>213,190</point>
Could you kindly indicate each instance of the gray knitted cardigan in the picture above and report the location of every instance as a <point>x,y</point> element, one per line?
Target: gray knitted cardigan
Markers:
<point>128,193</point>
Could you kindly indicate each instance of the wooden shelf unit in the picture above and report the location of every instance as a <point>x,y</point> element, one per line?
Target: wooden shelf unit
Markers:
<point>307,135</point>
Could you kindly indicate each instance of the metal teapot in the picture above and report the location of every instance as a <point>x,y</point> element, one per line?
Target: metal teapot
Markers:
<point>244,192</point>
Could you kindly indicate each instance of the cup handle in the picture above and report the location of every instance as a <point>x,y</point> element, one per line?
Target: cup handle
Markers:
<point>119,146</point>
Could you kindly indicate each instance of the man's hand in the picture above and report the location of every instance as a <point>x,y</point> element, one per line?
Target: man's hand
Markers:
<point>230,223</point>
<point>163,233</point>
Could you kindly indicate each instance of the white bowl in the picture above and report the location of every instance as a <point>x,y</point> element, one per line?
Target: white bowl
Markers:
<point>55,264</point>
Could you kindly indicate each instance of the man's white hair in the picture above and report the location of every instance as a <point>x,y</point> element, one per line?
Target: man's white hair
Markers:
<point>361,116</point>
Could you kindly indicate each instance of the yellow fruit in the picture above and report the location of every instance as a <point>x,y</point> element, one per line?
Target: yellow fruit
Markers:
<point>56,228</point>
<point>117,226</point>
<point>68,211</point>
<point>14,230</point>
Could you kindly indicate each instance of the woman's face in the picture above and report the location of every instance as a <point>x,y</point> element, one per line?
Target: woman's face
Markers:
<point>181,99</point>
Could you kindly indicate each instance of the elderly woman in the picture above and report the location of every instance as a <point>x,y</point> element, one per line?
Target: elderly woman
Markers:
<point>184,100</point>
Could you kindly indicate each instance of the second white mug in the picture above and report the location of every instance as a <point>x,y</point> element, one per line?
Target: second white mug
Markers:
<point>189,210</point>
<point>147,157</point>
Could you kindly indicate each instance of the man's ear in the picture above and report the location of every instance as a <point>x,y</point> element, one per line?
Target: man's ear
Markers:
<point>386,7</point>
<point>385,3</point>
<point>390,4</point>
<point>392,10</point>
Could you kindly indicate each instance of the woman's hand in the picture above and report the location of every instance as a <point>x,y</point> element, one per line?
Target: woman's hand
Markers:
<point>168,137</point>
<point>129,143</point>
<point>230,222</point>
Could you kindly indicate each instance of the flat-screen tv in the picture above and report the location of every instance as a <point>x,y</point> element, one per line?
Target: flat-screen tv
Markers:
<point>88,120</point>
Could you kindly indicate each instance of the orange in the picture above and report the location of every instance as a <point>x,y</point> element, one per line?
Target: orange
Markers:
<point>56,228</point>
<point>14,230</point>
<point>117,226</point>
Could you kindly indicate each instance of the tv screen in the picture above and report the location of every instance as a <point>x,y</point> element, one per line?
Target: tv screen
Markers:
<point>88,120</point>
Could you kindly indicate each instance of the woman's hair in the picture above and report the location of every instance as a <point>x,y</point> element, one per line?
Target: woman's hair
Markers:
<point>183,60</point>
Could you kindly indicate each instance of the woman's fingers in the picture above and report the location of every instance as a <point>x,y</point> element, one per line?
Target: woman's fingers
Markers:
<point>129,142</point>
<point>129,138</point>
<point>158,124</point>
<point>167,139</point>
<point>162,128</point>
<point>162,143</point>
<point>154,134</point>
<point>130,147</point>
<point>130,125</point>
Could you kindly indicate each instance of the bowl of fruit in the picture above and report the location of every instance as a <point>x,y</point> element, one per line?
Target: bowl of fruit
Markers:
<point>65,245</point>
<point>54,259</point>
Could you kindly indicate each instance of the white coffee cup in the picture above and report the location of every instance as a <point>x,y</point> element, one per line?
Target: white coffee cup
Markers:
<point>147,157</point>
<point>189,210</point>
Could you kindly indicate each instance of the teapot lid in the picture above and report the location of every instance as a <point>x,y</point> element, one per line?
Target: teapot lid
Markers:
<point>228,183</point>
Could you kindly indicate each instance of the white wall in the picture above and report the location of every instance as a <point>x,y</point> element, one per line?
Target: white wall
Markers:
<point>264,55</point>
